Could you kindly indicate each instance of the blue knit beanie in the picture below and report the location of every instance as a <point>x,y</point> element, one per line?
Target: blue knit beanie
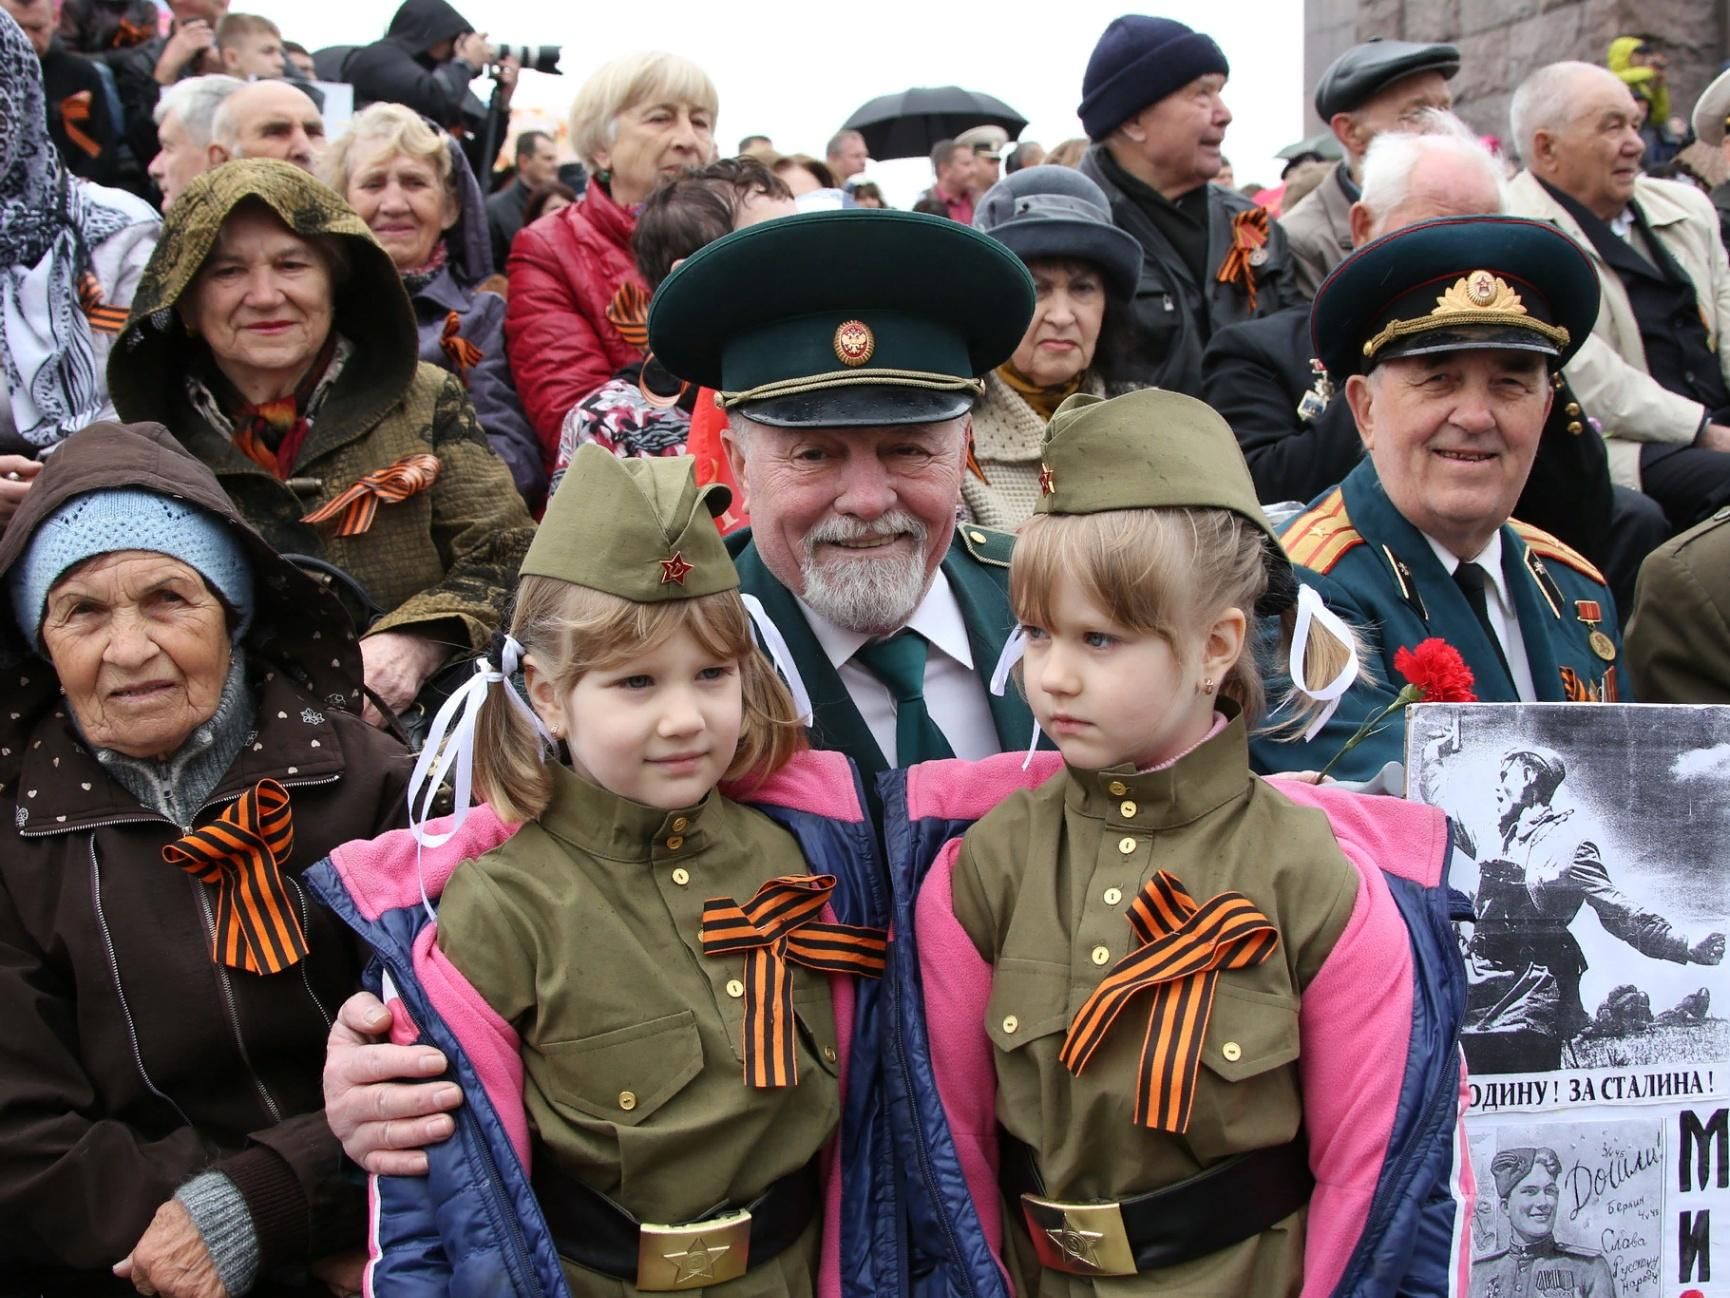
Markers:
<point>1139,61</point>
<point>129,518</point>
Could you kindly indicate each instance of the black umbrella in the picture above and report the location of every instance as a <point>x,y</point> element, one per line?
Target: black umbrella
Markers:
<point>908,124</point>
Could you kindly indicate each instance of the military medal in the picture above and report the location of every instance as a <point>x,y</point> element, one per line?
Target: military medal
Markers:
<point>1591,613</point>
<point>1315,401</point>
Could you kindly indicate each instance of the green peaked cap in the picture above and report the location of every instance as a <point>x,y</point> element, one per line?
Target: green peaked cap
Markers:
<point>641,529</point>
<point>1145,450</point>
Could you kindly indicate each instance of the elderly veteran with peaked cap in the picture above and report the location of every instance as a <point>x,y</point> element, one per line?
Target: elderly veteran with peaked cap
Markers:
<point>1445,336</point>
<point>165,997</point>
<point>1372,88</point>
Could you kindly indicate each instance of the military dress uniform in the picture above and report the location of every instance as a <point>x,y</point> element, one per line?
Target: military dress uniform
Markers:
<point>1542,1268</point>
<point>1044,886</point>
<point>591,931</point>
<point>858,319</point>
<point>1501,284</point>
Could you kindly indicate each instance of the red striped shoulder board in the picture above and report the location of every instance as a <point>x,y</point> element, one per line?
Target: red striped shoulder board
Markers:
<point>1321,536</point>
<point>1543,544</point>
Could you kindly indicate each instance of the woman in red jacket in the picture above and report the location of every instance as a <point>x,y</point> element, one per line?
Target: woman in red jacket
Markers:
<point>576,301</point>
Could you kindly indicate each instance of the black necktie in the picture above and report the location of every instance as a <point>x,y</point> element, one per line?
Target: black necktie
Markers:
<point>1470,578</point>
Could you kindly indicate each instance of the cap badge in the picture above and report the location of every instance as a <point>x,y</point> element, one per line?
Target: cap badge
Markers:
<point>675,569</point>
<point>1479,291</point>
<point>1479,298</point>
<point>854,343</point>
<point>1047,480</point>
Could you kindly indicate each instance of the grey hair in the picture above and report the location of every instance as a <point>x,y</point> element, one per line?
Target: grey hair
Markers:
<point>195,102</point>
<point>837,140</point>
<point>1394,155</point>
<point>1543,102</point>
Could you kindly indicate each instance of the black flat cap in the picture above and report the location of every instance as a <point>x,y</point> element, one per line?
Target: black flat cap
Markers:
<point>1365,70</point>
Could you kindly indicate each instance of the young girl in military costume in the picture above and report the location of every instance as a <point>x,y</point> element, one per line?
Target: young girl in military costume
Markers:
<point>659,948</point>
<point>1153,917</point>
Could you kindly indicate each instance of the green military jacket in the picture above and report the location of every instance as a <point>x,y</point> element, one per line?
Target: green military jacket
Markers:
<point>1679,636</point>
<point>1543,1269</point>
<point>1041,886</point>
<point>583,931</point>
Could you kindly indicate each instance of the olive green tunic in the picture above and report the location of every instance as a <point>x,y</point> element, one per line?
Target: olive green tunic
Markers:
<point>582,931</point>
<point>1042,885</point>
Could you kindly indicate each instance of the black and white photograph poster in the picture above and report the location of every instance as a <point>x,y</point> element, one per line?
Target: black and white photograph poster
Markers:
<point>1593,844</point>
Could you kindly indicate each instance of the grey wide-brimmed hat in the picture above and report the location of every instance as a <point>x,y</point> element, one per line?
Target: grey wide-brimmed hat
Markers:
<point>1050,211</point>
<point>1711,109</point>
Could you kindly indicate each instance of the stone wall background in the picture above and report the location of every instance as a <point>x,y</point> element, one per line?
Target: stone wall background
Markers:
<point>1502,40</point>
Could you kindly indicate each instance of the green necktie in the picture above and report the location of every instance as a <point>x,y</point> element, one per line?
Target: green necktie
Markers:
<point>899,662</point>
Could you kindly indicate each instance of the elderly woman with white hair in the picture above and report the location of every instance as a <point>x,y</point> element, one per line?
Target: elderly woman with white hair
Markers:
<point>577,309</point>
<point>412,186</point>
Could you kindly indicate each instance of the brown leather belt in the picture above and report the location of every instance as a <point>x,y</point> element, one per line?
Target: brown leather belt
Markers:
<point>1228,1203</point>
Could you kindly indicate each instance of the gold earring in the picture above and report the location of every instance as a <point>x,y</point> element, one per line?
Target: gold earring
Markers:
<point>1207,685</point>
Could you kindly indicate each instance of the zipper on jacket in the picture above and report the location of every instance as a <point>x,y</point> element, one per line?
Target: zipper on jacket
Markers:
<point>306,927</point>
<point>221,971</point>
<point>119,989</point>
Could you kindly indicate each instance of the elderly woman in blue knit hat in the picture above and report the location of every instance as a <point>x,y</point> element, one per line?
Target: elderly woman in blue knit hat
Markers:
<point>181,738</point>
<point>1084,272</point>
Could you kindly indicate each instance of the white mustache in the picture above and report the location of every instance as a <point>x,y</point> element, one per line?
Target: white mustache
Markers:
<point>896,523</point>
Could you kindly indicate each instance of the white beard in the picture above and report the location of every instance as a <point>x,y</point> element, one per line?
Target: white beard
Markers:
<point>870,596</point>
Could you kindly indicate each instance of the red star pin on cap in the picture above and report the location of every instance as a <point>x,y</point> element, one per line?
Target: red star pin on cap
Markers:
<point>1047,480</point>
<point>675,569</point>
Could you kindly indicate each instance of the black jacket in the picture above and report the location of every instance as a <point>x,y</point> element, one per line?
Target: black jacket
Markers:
<point>79,120</point>
<point>1257,373</point>
<point>397,69</point>
<point>1173,315</point>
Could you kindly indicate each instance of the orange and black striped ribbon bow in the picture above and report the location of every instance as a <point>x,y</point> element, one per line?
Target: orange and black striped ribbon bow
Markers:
<point>1184,948</point>
<point>242,853</point>
<point>1249,232</point>
<point>74,112</point>
<point>776,928</point>
<point>359,504</point>
<point>629,314</point>
<point>462,354</point>
<point>103,318</point>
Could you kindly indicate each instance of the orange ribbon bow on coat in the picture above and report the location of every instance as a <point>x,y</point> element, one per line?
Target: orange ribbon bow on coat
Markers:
<point>1184,948</point>
<point>74,112</point>
<point>359,504</point>
<point>777,926</point>
<point>1249,234</point>
<point>462,354</point>
<point>629,314</point>
<point>242,853</point>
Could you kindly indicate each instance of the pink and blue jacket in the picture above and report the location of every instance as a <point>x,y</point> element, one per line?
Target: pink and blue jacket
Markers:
<point>1382,1072</point>
<point>471,1226</point>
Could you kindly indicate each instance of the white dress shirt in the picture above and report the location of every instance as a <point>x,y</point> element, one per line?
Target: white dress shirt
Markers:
<point>954,690</point>
<point>1500,603</point>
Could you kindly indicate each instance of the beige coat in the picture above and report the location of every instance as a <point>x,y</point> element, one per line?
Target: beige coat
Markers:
<point>1007,435</point>
<point>1609,373</point>
<point>1319,230</point>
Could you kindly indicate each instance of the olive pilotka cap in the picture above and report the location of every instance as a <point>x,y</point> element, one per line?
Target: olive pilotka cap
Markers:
<point>641,529</point>
<point>1153,449</point>
<point>850,319</point>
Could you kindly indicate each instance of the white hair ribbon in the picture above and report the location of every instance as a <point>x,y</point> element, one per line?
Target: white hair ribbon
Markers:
<point>450,746</point>
<point>1014,648</point>
<point>1311,610</point>
<point>780,655</point>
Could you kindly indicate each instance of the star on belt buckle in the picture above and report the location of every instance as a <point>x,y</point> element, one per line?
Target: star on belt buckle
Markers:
<point>671,1259</point>
<point>1078,1238</point>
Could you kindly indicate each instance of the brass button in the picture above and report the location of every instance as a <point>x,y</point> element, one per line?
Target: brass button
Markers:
<point>1573,410</point>
<point>1128,809</point>
<point>1576,428</point>
<point>675,843</point>
<point>829,1053</point>
<point>1232,1051</point>
<point>1010,1023</point>
<point>1113,896</point>
<point>735,988</point>
<point>978,538</point>
<point>1117,788</point>
<point>1101,955</point>
<point>680,825</point>
<point>627,1100</point>
<point>681,876</point>
<point>1126,845</point>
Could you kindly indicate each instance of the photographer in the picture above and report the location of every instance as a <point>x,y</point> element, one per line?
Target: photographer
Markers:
<point>426,61</point>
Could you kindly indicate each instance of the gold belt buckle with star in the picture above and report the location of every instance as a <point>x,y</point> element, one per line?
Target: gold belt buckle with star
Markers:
<point>671,1259</point>
<point>1078,1238</point>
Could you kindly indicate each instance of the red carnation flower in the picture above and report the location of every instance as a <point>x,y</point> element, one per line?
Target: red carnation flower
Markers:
<point>1436,669</point>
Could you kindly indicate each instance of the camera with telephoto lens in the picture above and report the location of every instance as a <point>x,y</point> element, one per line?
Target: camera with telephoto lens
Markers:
<point>540,58</point>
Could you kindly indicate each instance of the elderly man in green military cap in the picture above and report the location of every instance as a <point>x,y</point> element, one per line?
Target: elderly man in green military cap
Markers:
<point>846,348</point>
<point>1446,336</point>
